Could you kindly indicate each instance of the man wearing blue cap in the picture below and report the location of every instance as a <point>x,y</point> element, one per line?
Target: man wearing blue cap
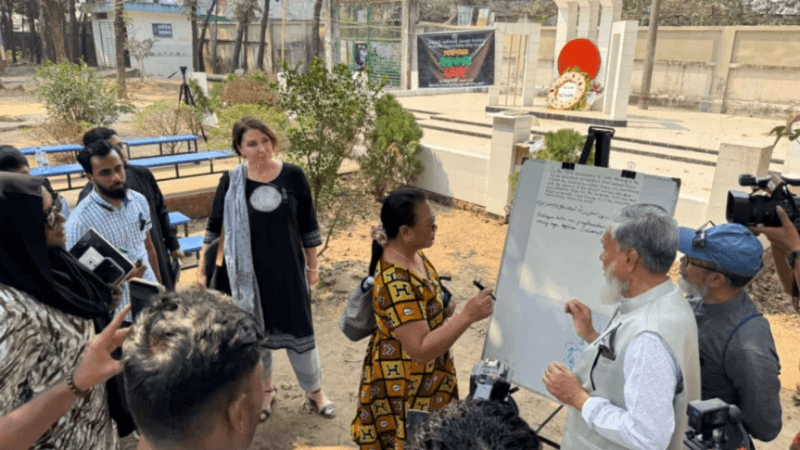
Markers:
<point>738,360</point>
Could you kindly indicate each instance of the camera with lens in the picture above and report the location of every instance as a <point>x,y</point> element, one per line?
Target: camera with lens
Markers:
<point>715,425</point>
<point>755,208</point>
<point>491,380</point>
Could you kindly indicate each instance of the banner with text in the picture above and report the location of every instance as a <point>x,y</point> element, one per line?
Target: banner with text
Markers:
<point>457,59</point>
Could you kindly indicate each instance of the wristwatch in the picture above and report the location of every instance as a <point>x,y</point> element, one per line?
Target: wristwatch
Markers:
<point>792,257</point>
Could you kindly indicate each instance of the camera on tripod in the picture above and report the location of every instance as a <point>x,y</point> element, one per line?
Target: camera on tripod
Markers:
<point>759,209</point>
<point>715,425</point>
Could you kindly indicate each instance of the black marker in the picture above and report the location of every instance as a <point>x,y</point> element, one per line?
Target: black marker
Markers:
<point>480,286</point>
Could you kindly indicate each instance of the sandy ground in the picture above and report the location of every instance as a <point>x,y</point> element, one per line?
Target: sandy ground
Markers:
<point>469,245</point>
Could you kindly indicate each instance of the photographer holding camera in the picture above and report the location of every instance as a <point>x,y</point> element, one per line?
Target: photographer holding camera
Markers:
<point>785,242</point>
<point>738,360</point>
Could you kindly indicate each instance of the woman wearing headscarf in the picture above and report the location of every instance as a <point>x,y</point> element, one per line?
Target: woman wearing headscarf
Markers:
<point>53,367</point>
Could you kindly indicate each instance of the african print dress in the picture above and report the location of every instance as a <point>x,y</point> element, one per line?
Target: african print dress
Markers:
<point>392,383</point>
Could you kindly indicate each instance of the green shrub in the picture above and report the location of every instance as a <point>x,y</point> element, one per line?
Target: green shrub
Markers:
<point>392,157</point>
<point>167,118</point>
<point>77,93</point>
<point>564,145</point>
<point>330,110</point>
<point>220,138</point>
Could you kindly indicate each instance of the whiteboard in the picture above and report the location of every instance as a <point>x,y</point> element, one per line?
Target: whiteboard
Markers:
<point>551,256</point>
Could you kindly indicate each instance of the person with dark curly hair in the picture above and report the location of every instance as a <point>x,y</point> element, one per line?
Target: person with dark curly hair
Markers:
<point>475,425</point>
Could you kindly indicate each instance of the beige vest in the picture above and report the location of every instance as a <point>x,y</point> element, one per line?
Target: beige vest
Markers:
<point>662,310</point>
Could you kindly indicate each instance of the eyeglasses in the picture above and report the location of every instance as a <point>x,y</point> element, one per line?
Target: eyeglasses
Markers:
<point>685,261</point>
<point>51,214</point>
<point>699,240</point>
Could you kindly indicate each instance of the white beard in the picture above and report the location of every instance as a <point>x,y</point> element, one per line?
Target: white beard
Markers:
<point>691,289</point>
<point>614,289</point>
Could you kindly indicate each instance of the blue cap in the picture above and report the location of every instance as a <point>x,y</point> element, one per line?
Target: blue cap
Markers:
<point>730,245</point>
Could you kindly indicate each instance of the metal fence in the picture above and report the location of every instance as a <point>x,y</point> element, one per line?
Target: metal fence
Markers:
<point>367,35</point>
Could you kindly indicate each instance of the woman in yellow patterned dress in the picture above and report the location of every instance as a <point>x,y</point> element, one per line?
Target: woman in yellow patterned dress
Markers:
<point>408,363</point>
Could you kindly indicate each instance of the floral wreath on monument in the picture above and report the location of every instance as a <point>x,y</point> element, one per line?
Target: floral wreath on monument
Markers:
<point>579,101</point>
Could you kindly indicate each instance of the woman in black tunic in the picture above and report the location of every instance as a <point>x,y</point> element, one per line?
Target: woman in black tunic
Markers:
<point>264,218</point>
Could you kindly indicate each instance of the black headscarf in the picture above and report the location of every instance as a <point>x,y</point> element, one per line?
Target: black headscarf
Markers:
<point>49,274</point>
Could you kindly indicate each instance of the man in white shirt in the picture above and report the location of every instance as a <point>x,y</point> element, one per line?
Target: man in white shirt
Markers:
<point>119,214</point>
<point>631,389</point>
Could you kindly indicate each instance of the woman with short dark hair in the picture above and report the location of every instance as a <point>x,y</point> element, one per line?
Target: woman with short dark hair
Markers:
<point>264,218</point>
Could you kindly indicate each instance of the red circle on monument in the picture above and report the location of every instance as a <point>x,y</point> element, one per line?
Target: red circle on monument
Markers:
<point>581,53</point>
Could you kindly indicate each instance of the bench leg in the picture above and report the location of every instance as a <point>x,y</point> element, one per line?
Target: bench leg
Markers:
<point>160,149</point>
<point>177,173</point>
<point>69,181</point>
<point>128,148</point>
<point>186,229</point>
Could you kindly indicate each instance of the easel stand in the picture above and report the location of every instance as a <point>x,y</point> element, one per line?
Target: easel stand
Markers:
<point>600,137</point>
<point>549,418</point>
<point>186,96</point>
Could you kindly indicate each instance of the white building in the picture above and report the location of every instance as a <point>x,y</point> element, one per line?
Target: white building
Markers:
<point>165,22</point>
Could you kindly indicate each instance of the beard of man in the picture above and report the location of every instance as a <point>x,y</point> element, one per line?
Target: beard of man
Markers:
<point>692,289</point>
<point>613,291</point>
<point>115,193</point>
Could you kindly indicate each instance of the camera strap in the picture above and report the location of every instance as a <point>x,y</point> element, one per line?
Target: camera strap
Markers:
<point>735,329</point>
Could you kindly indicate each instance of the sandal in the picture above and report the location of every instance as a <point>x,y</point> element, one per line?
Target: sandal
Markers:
<point>267,411</point>
<point>326,410</point>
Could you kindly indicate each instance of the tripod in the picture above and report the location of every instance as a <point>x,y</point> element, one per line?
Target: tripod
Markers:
<point>186,96</point>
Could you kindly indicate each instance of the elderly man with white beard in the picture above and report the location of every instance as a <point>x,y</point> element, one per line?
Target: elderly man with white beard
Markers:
<point>738,360</point>
<point>632,387</point>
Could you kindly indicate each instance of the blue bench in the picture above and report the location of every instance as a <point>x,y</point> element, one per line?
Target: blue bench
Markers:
<point>191,244</point>
<point>160,141</point>
<point>177,218</point>
<point>52,149</point>
<point>157,161</point>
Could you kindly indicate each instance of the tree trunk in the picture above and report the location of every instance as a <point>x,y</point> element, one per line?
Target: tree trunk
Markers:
<point>315,44</point>
<point>75,53</point>
<point>8,29</point>
<point>262,36</point>
<point>45,32</point>
<point>119,44</point>
<point>36,47</point>
<point>192,4</point>
<point>53,21</point>
<point>201,65</point>
<point>650,56</point>
<point>237,46</point>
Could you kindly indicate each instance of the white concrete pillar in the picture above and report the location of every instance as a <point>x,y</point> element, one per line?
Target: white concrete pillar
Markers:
<point>620,69</point>
<point>594,20</point>
<point>566,28</point>
<point>611,11</point>
<point>507,129</point>
<point>584,17</point>
<point>791,162</point>
<point>499,43</point>
<point>734,160</point>
<point>533,32</point>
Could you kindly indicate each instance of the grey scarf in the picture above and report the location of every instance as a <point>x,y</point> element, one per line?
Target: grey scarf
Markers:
<point>238,250</point>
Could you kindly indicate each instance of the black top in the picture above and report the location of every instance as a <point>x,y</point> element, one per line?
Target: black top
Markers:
<point>141,180</point>
<point>283,222</point>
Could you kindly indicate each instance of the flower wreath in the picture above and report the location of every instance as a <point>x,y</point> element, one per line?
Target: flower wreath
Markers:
<point>578,101</point>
